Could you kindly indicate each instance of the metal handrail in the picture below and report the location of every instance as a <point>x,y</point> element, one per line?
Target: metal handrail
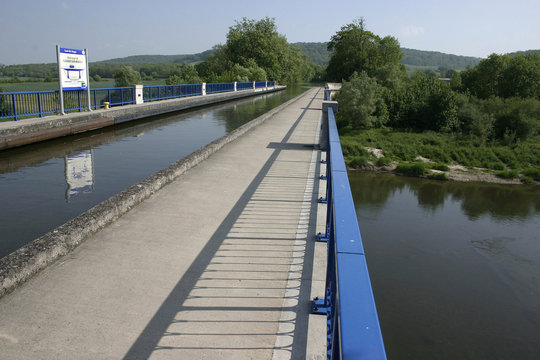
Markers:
<point>16,105</point>
<point>352,322</point>
<point>164,92</point>
<point>212,88</point>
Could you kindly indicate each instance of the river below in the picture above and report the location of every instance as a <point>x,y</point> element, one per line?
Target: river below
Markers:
<point>44,185</point>
<point>455,267</point>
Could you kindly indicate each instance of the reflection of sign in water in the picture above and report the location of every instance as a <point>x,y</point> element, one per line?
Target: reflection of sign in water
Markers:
<point>73,65</point>
<point>79,173</point>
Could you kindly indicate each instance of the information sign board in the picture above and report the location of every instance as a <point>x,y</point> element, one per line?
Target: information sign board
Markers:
<point>73,69</point>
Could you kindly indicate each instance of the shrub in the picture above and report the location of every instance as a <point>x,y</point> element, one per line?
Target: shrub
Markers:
<point>507,174</point>
<point>361,103</point>
<point>414,169</point>
<point>527,180</point>
<point>438,176</point>
<point>384,161</point>
<point>356,161</point>
<point>533,173</point>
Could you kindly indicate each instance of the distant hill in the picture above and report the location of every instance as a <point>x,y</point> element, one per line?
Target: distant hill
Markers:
<point>317,51</point>
<point>524,52</point>
<point>434,58</point>
<point>319,54</point>
<point>153,59</point>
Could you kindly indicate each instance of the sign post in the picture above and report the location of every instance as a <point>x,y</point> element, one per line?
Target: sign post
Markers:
<point>72,72</point>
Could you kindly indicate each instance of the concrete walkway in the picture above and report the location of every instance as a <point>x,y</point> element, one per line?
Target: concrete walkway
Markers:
<point>216,265</point>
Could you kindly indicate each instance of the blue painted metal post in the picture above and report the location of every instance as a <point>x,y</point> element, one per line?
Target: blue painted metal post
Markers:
<point>39,105</point>
<point>14,106</point>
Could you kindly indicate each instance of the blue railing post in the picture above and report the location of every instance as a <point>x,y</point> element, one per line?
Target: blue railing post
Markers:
<point>14,106</point>
<point>39,105</point>
<point>353,329</point>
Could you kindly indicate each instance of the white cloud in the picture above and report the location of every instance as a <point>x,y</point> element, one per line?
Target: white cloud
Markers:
<point>412,31</point>
<point>65,5</point>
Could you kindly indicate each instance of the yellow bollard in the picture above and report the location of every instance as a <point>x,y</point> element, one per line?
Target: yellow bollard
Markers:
<point>106,105</point>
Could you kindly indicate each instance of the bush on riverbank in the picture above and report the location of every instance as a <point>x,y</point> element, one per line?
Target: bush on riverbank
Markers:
<point>414,169</point>
<point>443,149</point>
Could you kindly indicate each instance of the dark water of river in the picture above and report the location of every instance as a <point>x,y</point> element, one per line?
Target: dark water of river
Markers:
<point>44,185</point>
<point>455,267</point>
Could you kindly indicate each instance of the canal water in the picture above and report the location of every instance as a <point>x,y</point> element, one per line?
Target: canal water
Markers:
<point>44,185</point>
<point>455,267</point>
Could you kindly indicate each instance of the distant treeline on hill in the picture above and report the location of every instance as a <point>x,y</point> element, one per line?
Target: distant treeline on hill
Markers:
<point>163,66</point>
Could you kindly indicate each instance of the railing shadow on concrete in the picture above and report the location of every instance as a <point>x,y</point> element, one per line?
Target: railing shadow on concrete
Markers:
<point>243,279</point>
<point>352,321</point>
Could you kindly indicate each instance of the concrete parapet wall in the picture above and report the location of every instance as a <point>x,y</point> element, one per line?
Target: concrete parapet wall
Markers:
<point>21,265</point>
<point>23,132</point>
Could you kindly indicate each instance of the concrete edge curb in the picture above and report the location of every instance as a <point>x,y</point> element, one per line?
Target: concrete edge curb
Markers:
<point>21,265</point>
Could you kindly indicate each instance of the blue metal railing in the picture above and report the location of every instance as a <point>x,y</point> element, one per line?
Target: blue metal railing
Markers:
<point>17,105</point>
<point>153,93</point>
<point>244,85</point>
<point>114,96</point>
<point>352,322</point>
<point>219,87</point>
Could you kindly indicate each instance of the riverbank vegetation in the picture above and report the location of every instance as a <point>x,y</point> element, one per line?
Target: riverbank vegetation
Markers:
<point>486,119</point>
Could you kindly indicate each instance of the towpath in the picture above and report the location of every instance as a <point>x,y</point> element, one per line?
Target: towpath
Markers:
<point>219,264</point>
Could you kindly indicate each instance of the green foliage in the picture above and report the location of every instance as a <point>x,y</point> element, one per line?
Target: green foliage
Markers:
<point>187,74</point>
<point>384,161</point>
<point>426,103</point>
<point>504,76</point>
<point>127,76</point>
<point>355,50</point>
<point>507,174</point>
<point>252,42</point>
<point>438,176</point>
<point>413,169</point>
<point>444,148</point>
<point>362,104</point>
<point>440,167</point>
<point>356,161</point>
<point>533,173</point>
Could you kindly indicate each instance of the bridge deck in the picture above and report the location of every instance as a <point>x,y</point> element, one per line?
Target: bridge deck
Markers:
<point>218,264</point>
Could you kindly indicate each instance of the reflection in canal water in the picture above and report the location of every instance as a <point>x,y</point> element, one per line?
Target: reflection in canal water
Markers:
<point>455,267</point>
<point>79,173</point>
<point>96,165</point>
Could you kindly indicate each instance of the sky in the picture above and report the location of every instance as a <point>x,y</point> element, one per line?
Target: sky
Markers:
<point>31,29</point>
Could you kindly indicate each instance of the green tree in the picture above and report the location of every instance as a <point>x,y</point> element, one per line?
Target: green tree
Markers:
<point>127,76</point>
<point>356,49</point>
<point>483,80</point>
<point>521,77</point>
<point>255,45</point>
<point>361,103</point>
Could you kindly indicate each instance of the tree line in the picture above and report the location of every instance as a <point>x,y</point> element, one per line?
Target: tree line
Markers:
<point>498,99</point>
<point>254,51</point>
